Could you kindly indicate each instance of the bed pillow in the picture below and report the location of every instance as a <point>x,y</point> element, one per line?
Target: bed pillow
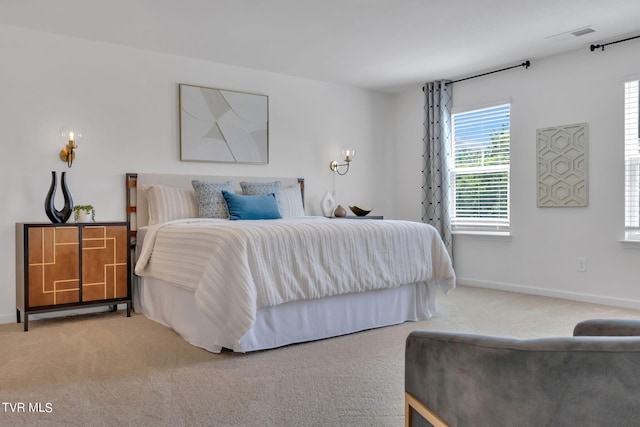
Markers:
<point>168,203</point>
<point>291,202</point>
<point>211,203</point>
<point>262,188</point>
<point>251,207</point>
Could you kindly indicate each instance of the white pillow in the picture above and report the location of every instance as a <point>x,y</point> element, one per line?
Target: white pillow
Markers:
<point>169,203</point>
<point>291,202</point>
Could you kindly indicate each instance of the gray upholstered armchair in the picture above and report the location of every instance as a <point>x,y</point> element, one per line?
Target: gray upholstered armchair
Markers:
<point>590,379</point>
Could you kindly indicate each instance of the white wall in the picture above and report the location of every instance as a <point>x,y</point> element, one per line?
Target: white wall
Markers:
<point>125,101</point>
<point>408,133</point>
<point>540,256</point>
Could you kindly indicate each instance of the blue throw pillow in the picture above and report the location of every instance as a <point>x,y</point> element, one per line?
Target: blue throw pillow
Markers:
<point>262,188</point>
<point>251,207</point>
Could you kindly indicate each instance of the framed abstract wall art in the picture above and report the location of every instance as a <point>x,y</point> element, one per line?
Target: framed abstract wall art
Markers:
<point>218,125</point>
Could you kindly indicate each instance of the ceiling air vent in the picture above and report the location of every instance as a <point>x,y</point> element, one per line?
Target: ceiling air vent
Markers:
<point>583,31</point>
<point>571,34</point>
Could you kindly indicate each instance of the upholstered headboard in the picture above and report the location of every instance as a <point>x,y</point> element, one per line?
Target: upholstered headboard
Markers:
<point>137,184</point>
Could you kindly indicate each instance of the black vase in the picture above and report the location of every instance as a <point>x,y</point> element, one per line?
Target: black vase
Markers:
<point>57,216</point>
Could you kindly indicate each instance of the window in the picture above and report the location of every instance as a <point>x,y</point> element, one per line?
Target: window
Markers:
<point>631,162</point>
<point>479,165</point>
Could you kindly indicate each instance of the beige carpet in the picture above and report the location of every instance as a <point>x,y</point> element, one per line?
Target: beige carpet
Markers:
<point>106,369</point>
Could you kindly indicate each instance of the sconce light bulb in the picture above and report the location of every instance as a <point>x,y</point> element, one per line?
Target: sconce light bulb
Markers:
<point>348,153</point>
<point>67,154</point>
<point>71,134</point>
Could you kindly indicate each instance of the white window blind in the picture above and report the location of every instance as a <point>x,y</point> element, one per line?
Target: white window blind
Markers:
<point>632,161</point>
<point>479,165</point>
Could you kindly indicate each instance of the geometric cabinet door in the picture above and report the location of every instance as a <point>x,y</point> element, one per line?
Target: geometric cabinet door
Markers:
<point>53,257</point>
<point>104,262</point>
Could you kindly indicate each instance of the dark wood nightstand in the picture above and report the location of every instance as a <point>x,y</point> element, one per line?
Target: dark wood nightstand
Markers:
<point>358,217</point>
<point>67,266</point>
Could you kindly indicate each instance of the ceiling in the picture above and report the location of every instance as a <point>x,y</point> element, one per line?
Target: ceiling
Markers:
<point>384,45</point>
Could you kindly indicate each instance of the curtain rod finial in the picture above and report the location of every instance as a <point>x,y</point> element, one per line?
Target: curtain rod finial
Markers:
<point>526,64</point>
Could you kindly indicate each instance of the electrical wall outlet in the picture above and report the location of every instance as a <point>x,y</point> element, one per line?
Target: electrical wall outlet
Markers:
<point>581,264</point>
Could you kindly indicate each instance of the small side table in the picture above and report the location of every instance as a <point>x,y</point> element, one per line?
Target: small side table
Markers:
<point>358,217</point>
<point>68,266</point>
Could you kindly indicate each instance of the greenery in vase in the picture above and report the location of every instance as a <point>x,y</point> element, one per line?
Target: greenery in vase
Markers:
<point>88,208</point>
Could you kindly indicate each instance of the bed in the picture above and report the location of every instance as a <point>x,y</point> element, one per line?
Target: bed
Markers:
<point>257,284</point>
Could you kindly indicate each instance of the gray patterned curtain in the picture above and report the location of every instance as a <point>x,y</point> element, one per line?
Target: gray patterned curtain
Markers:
<point>435,185</point>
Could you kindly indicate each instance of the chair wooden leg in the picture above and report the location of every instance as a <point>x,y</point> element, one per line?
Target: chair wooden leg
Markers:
<point>410,403</point>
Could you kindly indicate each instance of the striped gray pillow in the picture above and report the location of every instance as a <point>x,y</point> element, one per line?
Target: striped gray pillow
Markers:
<point>291,198</point>
<point>168,203</point>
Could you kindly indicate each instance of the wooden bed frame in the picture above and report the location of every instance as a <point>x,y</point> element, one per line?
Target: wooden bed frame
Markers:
<point>136,207</point>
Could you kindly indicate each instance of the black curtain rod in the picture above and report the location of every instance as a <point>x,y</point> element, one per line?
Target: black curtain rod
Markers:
<point>601,46</point>
<point>525,64</point>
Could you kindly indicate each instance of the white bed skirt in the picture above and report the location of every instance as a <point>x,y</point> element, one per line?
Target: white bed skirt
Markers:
<point>289,323</point>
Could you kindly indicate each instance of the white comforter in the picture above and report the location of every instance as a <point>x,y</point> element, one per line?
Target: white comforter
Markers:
<point>235,267</point>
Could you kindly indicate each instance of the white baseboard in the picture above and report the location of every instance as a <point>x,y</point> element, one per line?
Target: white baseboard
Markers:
<point>8,318</point>
<point>554,293</point>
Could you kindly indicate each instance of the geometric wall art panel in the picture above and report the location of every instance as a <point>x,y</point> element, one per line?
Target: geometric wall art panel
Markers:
<point>219,125</point>
<point>562,167</point>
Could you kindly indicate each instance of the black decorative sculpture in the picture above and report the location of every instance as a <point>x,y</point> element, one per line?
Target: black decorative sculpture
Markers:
<point>55,215</point>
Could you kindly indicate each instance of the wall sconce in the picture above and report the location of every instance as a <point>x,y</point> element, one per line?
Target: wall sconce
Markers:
<point>67,153</point>
<point>348,153</point>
